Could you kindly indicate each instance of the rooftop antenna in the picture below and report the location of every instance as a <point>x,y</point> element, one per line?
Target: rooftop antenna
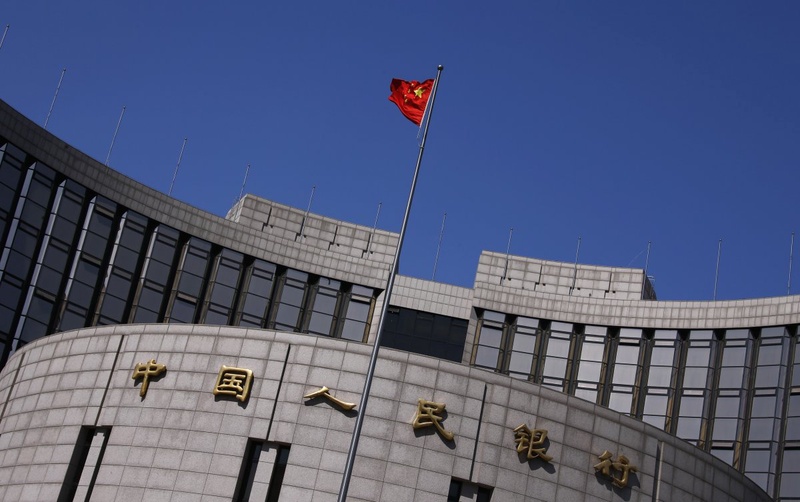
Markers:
<point>646,263</point>
<point>508,252</point>
<point>438,248</point>
<point>55,96</point>
<point>244,182</point>
<point>114,138</point>
<point>791,253</point>
<point>374,227</point>
<point>575,270</point>
<point>308,209</point>
<point>4,35</point>
<point>716,275</point>
<point>177,166</point>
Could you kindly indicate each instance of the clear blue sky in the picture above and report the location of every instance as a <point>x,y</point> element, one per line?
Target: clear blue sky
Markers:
<point>619,122</point>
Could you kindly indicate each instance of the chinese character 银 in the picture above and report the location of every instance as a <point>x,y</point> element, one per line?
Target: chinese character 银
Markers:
<point>531,442</point>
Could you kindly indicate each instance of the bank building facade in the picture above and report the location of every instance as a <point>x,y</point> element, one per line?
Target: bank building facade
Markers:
<point>153,351</point>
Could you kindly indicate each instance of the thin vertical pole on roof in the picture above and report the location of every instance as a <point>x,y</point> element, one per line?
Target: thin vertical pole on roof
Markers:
<point>362,405</point>
<point>575,270</point>
<point>438,248</point>
<point>177,166</point>
<point>646,263</point>
<point>114,138</point>
<point>4,35</point>
<point>716,274</point>
<point>508,253</point>
<point>308,210</point>
<point>55,96</point>
<point>244,182</point>
<point>791,254</point>
<point>374,227</point>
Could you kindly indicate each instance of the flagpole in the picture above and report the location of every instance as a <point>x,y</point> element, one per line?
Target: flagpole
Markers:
<point>362,405</point>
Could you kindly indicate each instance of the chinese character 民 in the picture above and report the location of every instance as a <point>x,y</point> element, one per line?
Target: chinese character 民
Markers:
<point>324,392</point>
<point>145,371</point>
<point>531,442</point>
<point>430,414</point>
<point>622,464</point>
<point>233,382</point>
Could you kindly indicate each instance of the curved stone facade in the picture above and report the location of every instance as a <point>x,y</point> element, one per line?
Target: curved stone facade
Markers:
<point>84,246</point>
<point>181,442</point>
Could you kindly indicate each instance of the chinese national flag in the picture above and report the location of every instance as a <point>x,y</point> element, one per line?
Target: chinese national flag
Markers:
<point>411,97</point>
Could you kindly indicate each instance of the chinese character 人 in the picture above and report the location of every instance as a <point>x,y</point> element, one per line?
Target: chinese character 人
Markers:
<point>233,382</point>
<point>430,414</point>
<point>325,392</point>
<point>622,464</point>
<point>145,371</point>
<point>531,442</point>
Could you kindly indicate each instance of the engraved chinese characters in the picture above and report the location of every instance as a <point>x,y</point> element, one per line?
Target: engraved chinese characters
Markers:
<point>325,392</point>
<point>233,382</point>
<point>531,442</point>
<point>429,414</point>
<point>622,465</point>
<point>145,371</point>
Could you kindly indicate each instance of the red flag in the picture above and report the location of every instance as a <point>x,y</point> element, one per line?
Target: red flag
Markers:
<point>411,97</point>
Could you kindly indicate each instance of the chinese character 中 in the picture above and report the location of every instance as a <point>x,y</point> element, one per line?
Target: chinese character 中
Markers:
<point>622,464</point>
<point>233,382</point>
<point>430,414</point>
<point>531,442</point>
<point>145,371</point>
<point>324,392</point>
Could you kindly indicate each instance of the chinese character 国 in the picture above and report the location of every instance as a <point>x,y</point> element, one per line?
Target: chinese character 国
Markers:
<point>233,382</point>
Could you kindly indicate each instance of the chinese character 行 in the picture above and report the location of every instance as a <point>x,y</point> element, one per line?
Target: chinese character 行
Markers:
<point>531,442</point>
<point>324,392</point>
<point>430,414</point>
<point>145,371</point>
<point>233,382</point>
<point>622,464</point>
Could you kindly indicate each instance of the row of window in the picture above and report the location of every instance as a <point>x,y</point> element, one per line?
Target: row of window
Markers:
<point>728,392</point>
<point>71,259</point>
<point>262,460</point>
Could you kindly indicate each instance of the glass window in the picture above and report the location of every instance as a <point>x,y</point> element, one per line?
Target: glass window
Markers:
<point>591,363</point>
<point>696,384</point>
<point>290,303</point>
<point>660,381</point>
<point>554,371</point>
<point>488,354</point>
<point>625,369</point>
<point>523,348</point>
